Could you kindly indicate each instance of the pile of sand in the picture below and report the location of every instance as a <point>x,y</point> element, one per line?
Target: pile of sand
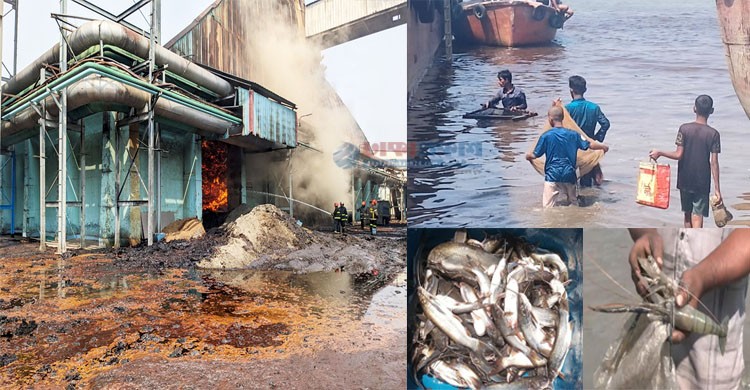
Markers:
<point>262,232</point>
<point>184,229</point>
<point>267,238</point>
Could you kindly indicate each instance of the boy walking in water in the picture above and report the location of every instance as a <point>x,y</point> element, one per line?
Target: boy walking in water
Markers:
<point>560,145</point>
<point>698,148</point>
<point>587,114</point>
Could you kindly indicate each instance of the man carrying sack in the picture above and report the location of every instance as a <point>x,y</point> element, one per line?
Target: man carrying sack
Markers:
<point>560,146</point>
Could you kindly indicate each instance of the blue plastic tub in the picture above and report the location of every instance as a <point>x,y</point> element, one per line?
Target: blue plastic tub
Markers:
<point>568,243</point>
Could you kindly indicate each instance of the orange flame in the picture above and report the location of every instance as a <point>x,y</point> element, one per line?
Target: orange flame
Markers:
<point>214,176</point>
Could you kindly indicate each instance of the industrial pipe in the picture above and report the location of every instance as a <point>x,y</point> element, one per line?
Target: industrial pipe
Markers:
<point>88,68</point>
<point>111,95</point>
<point>111,33</point>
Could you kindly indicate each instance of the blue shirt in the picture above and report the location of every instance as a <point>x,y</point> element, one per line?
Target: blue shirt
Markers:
<point>561,147</point>
<point>587,114</point>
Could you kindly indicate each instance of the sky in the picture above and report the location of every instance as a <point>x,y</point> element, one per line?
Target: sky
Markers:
<point>368,73</point>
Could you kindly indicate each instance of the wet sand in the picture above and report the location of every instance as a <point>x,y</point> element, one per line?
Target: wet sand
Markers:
<point>83,322</point>
<point>610,248</point>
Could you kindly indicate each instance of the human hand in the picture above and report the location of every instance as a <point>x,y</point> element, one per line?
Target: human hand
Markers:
<point>557,102</point>
<point>689,292</point>
<point>654,154</point>
<point>719,199</point>
<point>605,148</point>
<point>648,244</point>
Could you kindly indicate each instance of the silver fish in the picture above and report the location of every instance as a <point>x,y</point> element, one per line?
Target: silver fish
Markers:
<point>453,255</point>
<point>448,322</point>
<point>554,261</point>
<point>455,374</point>
<point>532,331</point>
<point>562,343</point>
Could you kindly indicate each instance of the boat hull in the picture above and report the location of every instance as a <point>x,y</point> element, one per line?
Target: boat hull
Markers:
<point>734,19</point>
<point>507,23</point>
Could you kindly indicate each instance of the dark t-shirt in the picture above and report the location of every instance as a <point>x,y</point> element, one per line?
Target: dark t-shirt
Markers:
<point>698,141</point>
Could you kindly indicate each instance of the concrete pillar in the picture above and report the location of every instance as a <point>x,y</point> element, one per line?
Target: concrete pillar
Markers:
<point>367,195</point>
<point>135,234</point>
<point>30,189</point>
<point>108,188</point>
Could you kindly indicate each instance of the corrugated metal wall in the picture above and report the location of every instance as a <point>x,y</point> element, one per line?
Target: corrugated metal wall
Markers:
<point>324,15</point>
<point>218,36</point>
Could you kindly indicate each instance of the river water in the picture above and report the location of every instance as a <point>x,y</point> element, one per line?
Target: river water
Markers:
<point>645,62</point>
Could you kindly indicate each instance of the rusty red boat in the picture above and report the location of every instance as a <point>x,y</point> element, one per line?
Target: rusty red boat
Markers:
<point>509,22</point>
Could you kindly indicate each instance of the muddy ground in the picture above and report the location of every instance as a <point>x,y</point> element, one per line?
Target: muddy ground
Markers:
<point>149,318</point>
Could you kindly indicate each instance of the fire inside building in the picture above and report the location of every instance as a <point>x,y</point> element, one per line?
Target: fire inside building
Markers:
<point>109,136</point>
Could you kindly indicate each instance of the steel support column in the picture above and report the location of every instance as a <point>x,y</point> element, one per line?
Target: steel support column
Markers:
<point>28,161</point>
<point>82,183</point>
<point>62,142</point>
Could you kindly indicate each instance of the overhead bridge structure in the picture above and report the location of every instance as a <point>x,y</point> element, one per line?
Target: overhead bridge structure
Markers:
<point>333,22</point>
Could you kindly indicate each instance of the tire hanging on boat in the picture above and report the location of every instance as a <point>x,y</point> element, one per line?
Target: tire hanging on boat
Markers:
<point>539,13</point>
<point>480,11</point>
<point>556,20</point>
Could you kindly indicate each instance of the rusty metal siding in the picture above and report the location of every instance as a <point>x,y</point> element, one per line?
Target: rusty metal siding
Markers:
<point>267,119</point>
<point>324,15</point>
<point>219,37</point>
<point>273,121</point>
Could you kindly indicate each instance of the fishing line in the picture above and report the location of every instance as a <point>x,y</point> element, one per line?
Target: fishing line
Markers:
<point>596,263</point>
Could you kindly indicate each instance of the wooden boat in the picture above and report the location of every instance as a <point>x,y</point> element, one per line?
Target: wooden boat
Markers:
<point>734,19</point>
<point>493,113</point>
<point>509,22</point>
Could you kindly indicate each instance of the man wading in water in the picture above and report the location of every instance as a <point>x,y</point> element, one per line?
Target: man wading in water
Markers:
<point>698,148</point>
<point>560,145</point>
<point>587,114</point>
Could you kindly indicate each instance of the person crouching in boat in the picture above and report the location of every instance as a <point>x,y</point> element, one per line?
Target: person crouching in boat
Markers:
<point>560,145</point>
<point>587,114</point>
<point>512,98</point>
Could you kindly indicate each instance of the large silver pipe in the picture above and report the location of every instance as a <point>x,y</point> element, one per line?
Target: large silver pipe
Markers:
<point>111,33</point>
<point>112,95</point>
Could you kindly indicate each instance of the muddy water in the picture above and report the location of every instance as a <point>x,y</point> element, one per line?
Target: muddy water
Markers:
<point>609,248</point>
<point>645,63</point>
<point>82,321</point>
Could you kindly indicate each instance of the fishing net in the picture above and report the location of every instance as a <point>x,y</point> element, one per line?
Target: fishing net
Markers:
<point>586,159</point>
<point>639,358</point>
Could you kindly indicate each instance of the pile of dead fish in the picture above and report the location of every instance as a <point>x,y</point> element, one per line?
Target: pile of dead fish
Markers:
<point>493,314</point>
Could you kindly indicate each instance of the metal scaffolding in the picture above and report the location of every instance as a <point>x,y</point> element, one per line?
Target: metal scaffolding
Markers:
<point>65,150</point>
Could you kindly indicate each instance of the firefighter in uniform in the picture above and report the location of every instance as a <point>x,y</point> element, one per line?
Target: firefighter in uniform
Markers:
<point>362,213</point>
<point>343,218</point>
<point>335,215</point>
<point>373,214</point>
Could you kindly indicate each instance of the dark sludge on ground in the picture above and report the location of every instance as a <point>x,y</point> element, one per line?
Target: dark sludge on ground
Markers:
<point>150,317</point>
